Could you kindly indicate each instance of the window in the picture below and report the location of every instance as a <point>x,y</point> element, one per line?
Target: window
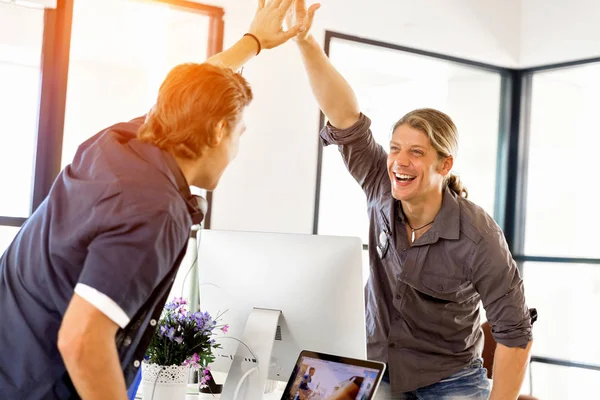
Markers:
<point>562,212</point>
<point>554,382</point>
<point>7,234</point>
<point>559,228</point>
<point>567,297</point>
<point>390,83</point>
<point>121,52</point>
<point>21,32</point>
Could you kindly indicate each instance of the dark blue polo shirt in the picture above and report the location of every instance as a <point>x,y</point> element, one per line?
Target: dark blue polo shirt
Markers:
<point>117,219</point>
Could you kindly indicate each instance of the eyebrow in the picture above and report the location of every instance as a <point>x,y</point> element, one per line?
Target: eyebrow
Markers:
<point>411,146</point>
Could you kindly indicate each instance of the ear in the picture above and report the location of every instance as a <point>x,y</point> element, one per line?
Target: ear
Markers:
<point>218,133</point>
<point>446,165</point>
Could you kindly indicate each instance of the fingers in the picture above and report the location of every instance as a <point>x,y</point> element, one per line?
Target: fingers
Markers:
<point>274,3</point>
<point>311,13</point>
<point>285,5</point>
<point>289,19</point>
<point>292,32</point>
<point>261,4</point>
<point>300,6</point>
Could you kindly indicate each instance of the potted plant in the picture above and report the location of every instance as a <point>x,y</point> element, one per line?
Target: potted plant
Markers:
<point>182,340</point>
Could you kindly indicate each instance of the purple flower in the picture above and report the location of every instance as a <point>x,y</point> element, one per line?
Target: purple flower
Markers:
<point>193,361</point>
<point>170,333</point>
<point>197,327</point>
<point>163,330</point>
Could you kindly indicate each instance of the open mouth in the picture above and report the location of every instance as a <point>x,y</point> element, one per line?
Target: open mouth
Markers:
<point>404,178</point>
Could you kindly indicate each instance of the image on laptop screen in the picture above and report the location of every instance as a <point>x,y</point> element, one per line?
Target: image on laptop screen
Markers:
<point>315,378</point>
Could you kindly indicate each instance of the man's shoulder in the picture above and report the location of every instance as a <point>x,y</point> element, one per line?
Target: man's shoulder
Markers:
<point>475,222</point>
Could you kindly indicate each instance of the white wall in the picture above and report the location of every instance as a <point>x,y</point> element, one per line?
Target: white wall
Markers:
<point>559,30</point>
<point>271,186</point>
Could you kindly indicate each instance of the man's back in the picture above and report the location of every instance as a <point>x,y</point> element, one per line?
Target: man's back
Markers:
<point>109,187</point>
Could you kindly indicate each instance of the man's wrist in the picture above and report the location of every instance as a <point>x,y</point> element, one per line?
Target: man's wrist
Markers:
<point>307,42</point>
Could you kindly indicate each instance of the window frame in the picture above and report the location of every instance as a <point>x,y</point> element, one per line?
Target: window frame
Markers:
<point>505,113</point>
<point>512,158</point>
<point>54,68</point>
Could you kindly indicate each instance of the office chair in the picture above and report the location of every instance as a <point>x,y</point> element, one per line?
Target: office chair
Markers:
<point>489,349</point>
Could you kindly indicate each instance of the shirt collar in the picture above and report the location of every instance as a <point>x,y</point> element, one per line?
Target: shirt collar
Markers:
<point>447,222</point>
<point>166,164</point>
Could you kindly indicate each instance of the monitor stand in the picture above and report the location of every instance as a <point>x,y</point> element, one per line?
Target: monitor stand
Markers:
<point>245,381</point>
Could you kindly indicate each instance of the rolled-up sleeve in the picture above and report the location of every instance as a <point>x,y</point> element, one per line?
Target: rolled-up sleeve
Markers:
<point>360,131</point>
<point>496,278</point>
<point>365,159</point>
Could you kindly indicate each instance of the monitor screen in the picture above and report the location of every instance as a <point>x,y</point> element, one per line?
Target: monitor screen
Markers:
<point>317,378</point>
<point>315,281</point>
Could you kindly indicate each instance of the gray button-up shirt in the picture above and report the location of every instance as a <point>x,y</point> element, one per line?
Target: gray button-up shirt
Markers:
<point>422,301</point>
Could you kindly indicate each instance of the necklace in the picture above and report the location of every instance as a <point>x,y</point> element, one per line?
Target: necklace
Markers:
<point>412,238</point>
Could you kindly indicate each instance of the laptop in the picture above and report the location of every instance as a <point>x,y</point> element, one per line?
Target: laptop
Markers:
<point>320,376</point>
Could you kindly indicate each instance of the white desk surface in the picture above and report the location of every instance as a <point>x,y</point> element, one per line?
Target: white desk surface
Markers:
<point>382,394</point>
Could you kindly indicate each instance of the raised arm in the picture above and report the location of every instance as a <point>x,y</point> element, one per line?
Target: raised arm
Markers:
<point>268,33</point>
<point>334,95</point>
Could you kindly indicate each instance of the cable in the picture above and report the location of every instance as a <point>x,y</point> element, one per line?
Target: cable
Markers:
<point>155,382</point>
<point>197,237</point>
<point>186,275</point>
<point>242,379</point>
<point>254,358</point>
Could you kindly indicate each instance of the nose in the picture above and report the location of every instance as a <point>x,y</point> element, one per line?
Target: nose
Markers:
<point>402,159</point>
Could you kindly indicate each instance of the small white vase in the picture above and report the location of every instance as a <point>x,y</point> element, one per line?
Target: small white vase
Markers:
<point>160,382</point>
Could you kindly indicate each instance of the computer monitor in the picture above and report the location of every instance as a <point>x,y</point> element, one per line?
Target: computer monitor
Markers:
<point>283,293</point>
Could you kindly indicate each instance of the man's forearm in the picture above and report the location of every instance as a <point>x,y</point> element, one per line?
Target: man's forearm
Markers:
<point>334,95</point>
<point>94,368</point>
<point>237,55</point>
<point>510,365</point>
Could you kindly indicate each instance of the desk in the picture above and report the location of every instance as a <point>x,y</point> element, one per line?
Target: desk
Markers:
<point>382,394</point>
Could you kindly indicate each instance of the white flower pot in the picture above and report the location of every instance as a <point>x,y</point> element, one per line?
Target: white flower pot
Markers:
<point>160,382</point>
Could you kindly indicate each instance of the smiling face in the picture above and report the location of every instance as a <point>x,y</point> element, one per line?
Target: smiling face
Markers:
<point>415,168</point>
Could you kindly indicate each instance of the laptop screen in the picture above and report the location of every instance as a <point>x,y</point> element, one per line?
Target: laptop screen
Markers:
<point>316,378</point>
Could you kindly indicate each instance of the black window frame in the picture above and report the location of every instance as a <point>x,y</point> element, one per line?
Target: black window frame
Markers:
<point>54,70</point>
<point>512,157</point>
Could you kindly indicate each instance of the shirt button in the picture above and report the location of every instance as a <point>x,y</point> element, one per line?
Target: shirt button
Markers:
<point>136,364</point>
<point>392,345</point>
<point>398,318</point>
<point>440,288</point>
<point>152,322</point>
<point>398,297</point>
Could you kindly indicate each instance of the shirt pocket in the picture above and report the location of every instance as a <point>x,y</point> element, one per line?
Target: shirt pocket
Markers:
<point>441,287</point>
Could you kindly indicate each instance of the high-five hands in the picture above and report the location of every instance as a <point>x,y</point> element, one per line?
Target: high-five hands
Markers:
<point>299,15</point>
<point>267,23</point>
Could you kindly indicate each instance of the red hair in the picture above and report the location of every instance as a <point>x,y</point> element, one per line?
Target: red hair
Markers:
<point>191,101</point>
